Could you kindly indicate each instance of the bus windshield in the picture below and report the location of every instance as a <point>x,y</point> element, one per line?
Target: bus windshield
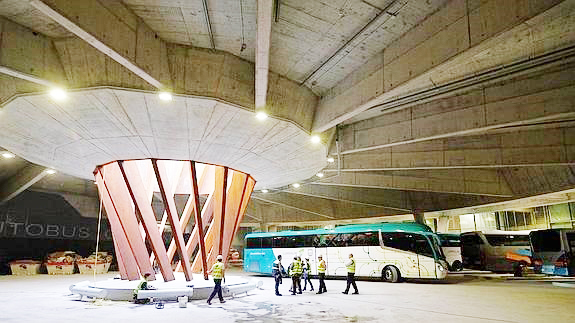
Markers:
<point>546,240</point>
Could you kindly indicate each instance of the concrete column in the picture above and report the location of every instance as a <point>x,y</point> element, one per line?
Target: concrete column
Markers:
<point>443,224</point>
<point>419,216</point>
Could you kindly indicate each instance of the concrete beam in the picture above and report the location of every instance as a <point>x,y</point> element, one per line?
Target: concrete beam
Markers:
<point>547,95</point>
<point>264,31</point>
<point>462,39</point>
<point>28,61</point>
<point>77,18</point>
<point>461,181</point>
<point>20,182</point>
<point>343,200</point>
<point>283,204</point>
<point>531,148</point>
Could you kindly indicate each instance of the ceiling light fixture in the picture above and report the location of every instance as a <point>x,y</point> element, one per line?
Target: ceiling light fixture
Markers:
<point>8,155</point>
<point>165,96</point>
<point>320,174</point>
<point>315,139</point>
<point>261,115</point>
<point>330,160</point>
<point>295,185</point>
<point>58,94</point>
<point>50,172</point>
<point>264,191</point>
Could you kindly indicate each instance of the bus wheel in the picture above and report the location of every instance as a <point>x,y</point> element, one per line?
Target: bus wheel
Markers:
<point>518,270</point>
<point>457,266</point>
<point>391,274</point>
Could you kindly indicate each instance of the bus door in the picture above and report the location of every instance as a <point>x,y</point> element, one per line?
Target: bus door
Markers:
<point>425,256</point>
<point>471,254</point>
<point>320,244</point>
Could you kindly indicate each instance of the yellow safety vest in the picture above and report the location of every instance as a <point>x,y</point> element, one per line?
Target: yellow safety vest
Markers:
<point>321,267</point>
<point>217,270</point>
<point>351,266</point>
<point>296,268</point>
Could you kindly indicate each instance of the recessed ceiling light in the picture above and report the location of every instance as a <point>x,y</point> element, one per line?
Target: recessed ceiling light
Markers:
<point>320,174</point>
<point>8,155</point>
<point>58,94</point>
<point>295,185</point>
<point>50,171</point>
<point>330,160</point>
<point>261,115</point>
<point>315,139</point>
<point>165,96</point>
<point>264,191</point>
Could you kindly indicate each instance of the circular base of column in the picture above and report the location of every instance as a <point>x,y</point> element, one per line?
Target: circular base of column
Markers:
<point>198,288</point>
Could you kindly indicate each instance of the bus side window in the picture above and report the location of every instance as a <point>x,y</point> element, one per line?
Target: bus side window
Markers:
<point>365,239</point>
<point>399,240</point>
<point>326,240</point>
<point>309,241</point>
<point>253,243</point>
<point>267,242</point>
<point>470,239</point>
<point>343,240</point>
<point>278,242</point>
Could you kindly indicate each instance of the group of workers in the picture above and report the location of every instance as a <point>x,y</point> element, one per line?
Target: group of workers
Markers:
<point>298,269</point>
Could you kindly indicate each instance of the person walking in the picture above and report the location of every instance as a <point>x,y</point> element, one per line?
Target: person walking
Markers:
<point>277,271</point>
<point>307,274</point>
<point>321,268</point>
<point>350,265</point>
<point>218,273</point>
<point>295,273</point>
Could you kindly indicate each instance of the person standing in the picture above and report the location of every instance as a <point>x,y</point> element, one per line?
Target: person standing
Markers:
<point>277,271</point>
<point>321,268</point>
<point>350,265</point>
<point>295,273</point>
<point>218,273</point>
<point>307,274</point>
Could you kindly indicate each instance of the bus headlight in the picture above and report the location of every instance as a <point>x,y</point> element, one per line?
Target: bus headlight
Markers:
<point>440,267</point>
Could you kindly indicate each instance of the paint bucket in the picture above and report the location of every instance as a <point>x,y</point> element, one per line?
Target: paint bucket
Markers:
<point>183,301</point>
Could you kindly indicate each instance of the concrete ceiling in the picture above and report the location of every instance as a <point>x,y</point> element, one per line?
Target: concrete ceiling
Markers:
<point>424,105</point>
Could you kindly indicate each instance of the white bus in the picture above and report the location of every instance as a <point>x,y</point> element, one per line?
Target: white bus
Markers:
<point>390,251</point>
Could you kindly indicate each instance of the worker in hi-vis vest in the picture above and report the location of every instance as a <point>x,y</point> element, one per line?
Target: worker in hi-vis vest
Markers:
<point>321,268</point>
<point>218,273</point>
<point>295,273</point>
<point>350,265</point>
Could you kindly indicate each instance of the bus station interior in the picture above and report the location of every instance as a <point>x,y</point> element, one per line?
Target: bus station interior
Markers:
<point>458,114</point>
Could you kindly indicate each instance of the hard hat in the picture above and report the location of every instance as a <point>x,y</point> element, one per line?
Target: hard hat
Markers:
<point>220,257</point>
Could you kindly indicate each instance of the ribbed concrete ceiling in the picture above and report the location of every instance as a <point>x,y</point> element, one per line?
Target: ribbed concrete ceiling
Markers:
<point>304,38</point>
<point>306,34</point>
<point>94,127</point>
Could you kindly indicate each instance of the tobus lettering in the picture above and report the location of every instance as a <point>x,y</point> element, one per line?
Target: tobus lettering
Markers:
<point>34,229</point>
<point>66,234</point>
<point>52,230</point>
<point>84,233</point>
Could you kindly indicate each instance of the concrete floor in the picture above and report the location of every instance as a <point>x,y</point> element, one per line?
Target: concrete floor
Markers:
<point>461,298</point>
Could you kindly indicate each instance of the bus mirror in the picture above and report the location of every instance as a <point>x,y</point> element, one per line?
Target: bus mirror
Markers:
<point>381,239</point>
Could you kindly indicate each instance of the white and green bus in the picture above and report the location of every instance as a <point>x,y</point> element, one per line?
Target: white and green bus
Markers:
<point>390,251</point>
